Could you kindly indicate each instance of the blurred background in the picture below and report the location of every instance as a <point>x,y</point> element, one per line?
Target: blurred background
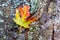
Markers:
<point>47,27</point>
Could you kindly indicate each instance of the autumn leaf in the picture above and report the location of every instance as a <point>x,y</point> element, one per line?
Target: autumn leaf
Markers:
<point>22,17</point>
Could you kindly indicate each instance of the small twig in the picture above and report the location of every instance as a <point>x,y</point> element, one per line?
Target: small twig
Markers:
<point>53,34</point>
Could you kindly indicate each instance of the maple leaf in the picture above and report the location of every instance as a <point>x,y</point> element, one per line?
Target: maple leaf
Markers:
<point>22,17</point>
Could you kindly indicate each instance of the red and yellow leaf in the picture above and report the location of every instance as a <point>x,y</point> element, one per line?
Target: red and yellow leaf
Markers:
<point>22,14</point>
